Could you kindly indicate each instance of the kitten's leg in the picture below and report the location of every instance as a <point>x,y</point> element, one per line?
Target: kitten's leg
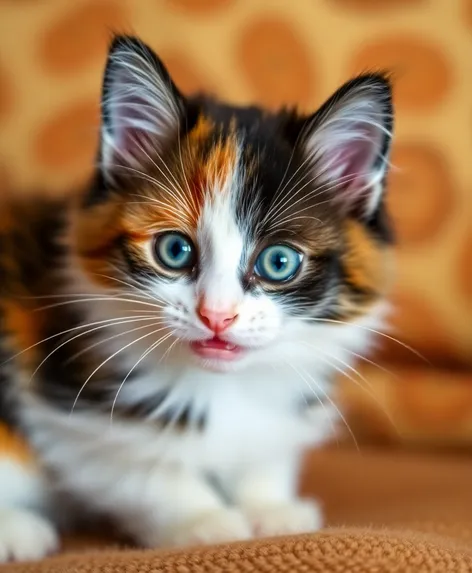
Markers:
<point>177,508</point>
<point>24,533</point>
<point>268,497</point>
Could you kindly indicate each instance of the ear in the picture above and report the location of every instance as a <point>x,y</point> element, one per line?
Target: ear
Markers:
<point>348,142</point>
<point>141,107</point>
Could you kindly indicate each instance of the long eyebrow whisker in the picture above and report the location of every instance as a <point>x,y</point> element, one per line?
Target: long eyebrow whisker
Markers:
<point>324,188</point>
<point>306,174</point>
<point>189,191</point>
<point>174,186</point>
<point>294,148</point>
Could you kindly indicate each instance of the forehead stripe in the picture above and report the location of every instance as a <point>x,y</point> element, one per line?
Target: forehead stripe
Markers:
<point>209,174</point>
<point>203,166</point>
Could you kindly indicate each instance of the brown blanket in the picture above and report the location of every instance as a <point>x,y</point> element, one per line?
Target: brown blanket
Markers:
<point>388,512</point>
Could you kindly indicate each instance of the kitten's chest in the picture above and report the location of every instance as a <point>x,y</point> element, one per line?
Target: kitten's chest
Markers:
<point>244,424</point>
<point>252,425</point>
<point>216,422</point>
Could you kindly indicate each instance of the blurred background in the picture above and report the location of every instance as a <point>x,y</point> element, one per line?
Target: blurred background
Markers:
<point>52,54</point>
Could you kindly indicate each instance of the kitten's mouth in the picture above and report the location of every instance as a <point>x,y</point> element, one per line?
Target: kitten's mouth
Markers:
<point>217,349</point>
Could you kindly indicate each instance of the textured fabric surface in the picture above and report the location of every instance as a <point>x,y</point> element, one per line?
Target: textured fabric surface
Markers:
<point>346,551</point>
<point>390,512</point>
<point>51,60</point>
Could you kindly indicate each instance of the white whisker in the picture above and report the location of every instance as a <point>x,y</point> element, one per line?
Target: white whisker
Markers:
<point>338,411</point>
<point>114,336</point>
<point>150,348</point>
<point>101,299</point>
<point>55,335</point>
<point>108,360</point>
<point>362,327</point>
<point>320,401</point>
<point>118,323</point>
<point>340,414</point>
<point>369,390</point>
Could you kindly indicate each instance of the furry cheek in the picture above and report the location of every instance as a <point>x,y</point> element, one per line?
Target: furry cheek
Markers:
<point>177,299</point>
<point>259,322</point>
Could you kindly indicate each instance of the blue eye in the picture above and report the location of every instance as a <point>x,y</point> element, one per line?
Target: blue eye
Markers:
<point>278,263</point>
<point>175,251</point>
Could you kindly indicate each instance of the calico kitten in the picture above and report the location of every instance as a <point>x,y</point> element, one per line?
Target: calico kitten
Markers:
<point>169,340</point>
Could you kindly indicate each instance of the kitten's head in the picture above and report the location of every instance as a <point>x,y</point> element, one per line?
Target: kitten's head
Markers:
<point>240,224</point>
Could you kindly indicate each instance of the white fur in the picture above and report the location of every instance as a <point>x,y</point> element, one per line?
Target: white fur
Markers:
<point>141,109</point>
<point>237,476</point>
<point>20,484</point>
<point>156,483</point>
<point>24,533</point>
<point>222,247</point>
<point>352,128</point>
<point>297,516</point>
<point>160,484</point>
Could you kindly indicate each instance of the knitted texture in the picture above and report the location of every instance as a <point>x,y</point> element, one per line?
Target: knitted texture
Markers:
<point>387,512</point>
<point>350,550</point>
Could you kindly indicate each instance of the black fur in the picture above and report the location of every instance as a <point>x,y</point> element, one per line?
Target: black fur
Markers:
<point>275,166</point>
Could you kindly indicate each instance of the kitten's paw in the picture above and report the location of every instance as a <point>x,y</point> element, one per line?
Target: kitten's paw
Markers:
<point>220,526</point>
<point>300,516</point>
<point>25,536</point>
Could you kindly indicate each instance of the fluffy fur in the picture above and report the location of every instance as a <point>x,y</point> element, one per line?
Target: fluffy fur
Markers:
<point>99,377</point>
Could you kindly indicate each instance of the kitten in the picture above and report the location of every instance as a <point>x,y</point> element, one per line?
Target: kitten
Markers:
<point>171,336</point>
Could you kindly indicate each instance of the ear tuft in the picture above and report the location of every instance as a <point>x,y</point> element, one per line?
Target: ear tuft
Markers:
<point>348,142</point>
<point>141,107</point>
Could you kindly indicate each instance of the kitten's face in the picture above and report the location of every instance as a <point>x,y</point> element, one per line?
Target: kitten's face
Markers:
<point>241,224</point>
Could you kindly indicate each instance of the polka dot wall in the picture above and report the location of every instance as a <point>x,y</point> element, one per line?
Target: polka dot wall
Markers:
<point>51,59</point>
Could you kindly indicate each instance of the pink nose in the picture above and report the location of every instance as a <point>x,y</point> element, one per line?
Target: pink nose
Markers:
<point>216,320</point>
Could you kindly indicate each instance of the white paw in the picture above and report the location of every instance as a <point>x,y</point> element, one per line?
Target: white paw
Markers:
<point>25,536</point>
<point>220,526</point>
<point>300,516</point>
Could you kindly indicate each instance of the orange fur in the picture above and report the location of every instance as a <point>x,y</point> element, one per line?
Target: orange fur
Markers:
<point>20,322</point>
<point>179,207</point>
<point>14,447</point>
<point>22,325</point>
<point>221,162</point>
<point>365,261</point>
<point>174,204</point>
<point>201,131</point>
<point>96,235</point>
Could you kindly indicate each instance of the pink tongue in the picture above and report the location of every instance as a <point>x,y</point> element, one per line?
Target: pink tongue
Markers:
<point>215,348</point>
<point>218,344</point>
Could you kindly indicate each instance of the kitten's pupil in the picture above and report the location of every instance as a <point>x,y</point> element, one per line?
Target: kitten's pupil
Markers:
<point>177,248</point>
<point>174,251</point>
<point>279,261</point>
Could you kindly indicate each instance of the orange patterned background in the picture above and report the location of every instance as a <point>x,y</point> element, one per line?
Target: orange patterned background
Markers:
<point>51,59</point>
